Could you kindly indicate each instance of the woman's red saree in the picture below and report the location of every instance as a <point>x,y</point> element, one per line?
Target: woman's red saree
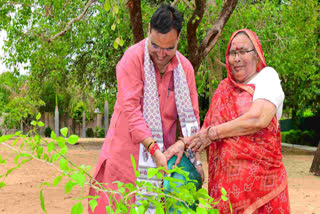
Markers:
<point>249,167</point>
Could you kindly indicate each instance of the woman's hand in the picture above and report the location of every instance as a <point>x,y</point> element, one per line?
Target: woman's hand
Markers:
<point>198,141</point>
<point>176,149</point>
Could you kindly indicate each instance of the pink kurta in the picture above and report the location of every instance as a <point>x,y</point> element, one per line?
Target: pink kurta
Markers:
<point>128,127</point>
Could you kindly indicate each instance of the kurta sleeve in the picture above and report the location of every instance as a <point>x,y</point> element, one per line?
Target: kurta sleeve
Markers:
<point>130,93</point>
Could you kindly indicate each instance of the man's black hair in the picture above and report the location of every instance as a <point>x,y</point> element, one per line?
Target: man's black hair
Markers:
<point>165,18</point>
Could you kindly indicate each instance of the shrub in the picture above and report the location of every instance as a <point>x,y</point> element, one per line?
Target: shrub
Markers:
<point>298,137</point>
<point>101,133</point>
<point>89,132</point>
<point>47,131</point>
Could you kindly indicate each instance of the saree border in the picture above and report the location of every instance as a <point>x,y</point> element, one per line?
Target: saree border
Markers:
<point>265,199</point>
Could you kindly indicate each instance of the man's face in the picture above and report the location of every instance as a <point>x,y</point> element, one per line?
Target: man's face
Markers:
<point>162,47</point>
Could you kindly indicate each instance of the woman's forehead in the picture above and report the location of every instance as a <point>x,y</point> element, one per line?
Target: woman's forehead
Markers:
<point>241,41</point>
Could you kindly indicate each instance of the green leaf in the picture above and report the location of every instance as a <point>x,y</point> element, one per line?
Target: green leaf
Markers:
<point>53,135</point>
<point>109,210</point>
<point>73,139</point>
<point>34,123</point>
<point>201,210</point>
<point>115,45</point>
<point>115,9</point>
<point>63,164</point>
<point>79,178</point>
<point>133,211</point>
<point>152,172</point>
<point>38,116</point>
<point>2,184</point>
<point>56,180</point>
<point>54,157</point>
<point>15,142</point>
<point>3,161</point>
<point>39,151</point>
<point>5,138</point>
<point>134,165</point>
<point>50,146</point>
<point>121,42</point>
<point>64,150</point>
<point>113,27</point>
<point>68,187</point>
<point>224,198</point>
<point>107,5</point>
<point>40,124</point>
<point>61,142</point>
<point>141,209</point>
<point>223,191</point>
<point>93,203</point>
<point>77,208</point>
<point>42,202</point>
<point>64,131</point>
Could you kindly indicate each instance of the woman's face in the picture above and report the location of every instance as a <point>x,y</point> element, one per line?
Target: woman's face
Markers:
<point>242,58</point>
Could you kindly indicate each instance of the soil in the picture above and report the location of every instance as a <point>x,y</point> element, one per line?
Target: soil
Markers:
<point>21,195</point>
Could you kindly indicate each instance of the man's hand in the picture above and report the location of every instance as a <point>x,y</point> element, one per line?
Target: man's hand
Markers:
<point>176,149</point>
<point>161,160</point>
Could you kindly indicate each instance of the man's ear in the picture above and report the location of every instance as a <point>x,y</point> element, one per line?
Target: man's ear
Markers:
<point>149,30</point>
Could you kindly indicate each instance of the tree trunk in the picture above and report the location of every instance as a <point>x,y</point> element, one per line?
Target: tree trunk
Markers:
<point>56,121</point>
<point>106,117</point>
<point>21,126</point>
<point>83,124</point>
<point>134,7</point>
<point>315,167</point>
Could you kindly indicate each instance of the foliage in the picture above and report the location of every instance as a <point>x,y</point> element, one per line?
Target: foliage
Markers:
<point>298,137</point>
<point>89,132</point>
<point>32,148</point>
<point>99,132</point>
<point>289,35</point>
<point>20,106</point>
<point>47,131</point>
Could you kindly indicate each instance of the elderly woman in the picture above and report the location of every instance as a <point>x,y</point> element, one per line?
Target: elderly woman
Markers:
<point>241,132</point>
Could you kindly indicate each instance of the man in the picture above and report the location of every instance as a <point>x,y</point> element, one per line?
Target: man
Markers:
<point>156,86</point>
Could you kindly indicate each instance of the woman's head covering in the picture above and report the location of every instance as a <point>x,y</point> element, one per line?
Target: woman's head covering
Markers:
<point>257,46</point>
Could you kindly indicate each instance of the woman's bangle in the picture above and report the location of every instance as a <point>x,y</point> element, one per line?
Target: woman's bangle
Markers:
<point>153,149</point>
<point>151,144</point>
<point>185,145</point>
<point>215,133</point>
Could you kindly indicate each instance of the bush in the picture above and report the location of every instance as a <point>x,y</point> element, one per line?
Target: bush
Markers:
<point>101,133</point>
<point>89,132</point>
<point>47,131</point>
<point>0,133</point>
<point>298,137</point>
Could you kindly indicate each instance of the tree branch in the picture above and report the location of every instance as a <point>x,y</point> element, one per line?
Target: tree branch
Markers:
<point>214,32</point>
<point>90,2</point>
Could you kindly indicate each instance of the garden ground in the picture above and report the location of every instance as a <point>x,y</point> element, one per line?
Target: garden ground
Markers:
<point>21,195</point>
